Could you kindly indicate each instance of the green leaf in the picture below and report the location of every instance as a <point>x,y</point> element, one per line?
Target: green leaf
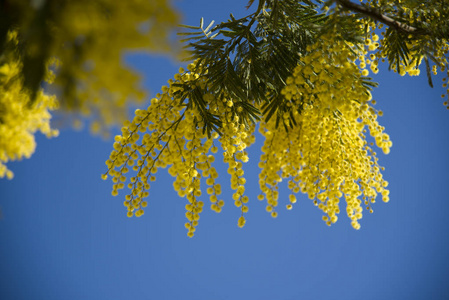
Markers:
<point>189,27</point>
<point>209,26</point>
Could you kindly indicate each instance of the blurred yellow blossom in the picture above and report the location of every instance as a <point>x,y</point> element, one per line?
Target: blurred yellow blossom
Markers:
<point>19,120</point>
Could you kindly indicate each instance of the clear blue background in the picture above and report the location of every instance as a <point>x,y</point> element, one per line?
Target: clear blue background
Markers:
<point>62,236</point>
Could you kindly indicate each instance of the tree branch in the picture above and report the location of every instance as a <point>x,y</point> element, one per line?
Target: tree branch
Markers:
<point>378,16</point>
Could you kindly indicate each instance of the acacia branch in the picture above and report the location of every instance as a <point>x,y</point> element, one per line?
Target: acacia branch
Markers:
<point>378,16</point>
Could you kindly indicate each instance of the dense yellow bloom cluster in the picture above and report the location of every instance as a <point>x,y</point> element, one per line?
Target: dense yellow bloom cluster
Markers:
<point>326,155</point>
<point>168,134</point>
<point>18,120</point>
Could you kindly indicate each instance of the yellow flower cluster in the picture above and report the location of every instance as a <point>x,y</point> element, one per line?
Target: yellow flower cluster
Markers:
<point>446,86</point>
<point>167,134</point>
<point>18,120</point>
<point>371,45</point>
<point>326,155</point>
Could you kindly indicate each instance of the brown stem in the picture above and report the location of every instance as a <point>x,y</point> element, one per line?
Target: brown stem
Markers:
<point>376,15</point>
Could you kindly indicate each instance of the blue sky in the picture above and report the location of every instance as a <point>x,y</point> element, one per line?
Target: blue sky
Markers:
<point>63,236</point>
